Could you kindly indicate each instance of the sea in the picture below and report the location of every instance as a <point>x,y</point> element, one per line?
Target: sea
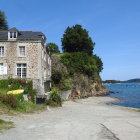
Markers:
<point>127,93</point>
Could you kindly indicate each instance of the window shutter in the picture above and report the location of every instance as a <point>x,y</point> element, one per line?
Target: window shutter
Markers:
<point>5,68</point>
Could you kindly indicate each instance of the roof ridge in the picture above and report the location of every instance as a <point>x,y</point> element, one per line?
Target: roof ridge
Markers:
<point>20,31</point>
<point>4,31</point>
<point>29,31</point>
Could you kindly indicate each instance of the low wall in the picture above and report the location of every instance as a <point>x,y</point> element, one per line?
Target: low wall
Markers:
<point>65,94</point>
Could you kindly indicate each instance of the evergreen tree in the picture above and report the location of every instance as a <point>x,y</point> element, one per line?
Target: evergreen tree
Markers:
<point>76,39</point>
<point>3,21</point>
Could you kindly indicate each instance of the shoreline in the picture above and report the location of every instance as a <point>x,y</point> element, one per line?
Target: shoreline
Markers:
<point>117,100</point>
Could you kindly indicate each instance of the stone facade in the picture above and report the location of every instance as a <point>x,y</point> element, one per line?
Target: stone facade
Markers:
<point>36,58</point>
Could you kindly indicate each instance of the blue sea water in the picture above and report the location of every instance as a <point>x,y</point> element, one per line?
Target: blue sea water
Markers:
<point>128,93</point>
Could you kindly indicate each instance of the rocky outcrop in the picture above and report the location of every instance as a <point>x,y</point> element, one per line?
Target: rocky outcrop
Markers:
<point>56,64</point>
<point>87,87</point>
<point>79,82</point>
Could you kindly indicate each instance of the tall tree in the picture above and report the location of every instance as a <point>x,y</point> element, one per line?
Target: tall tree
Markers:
<point>53,48</point>
<point>3,21</point>
<point>76,39</point>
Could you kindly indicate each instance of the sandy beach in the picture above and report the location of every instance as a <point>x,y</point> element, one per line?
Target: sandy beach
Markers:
<point>85,119</point>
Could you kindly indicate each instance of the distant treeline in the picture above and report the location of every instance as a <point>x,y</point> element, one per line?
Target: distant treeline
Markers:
<point>111,81</point>
<point>117,81</point>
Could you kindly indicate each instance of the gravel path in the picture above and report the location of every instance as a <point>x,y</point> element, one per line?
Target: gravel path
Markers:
<point>86,119</point>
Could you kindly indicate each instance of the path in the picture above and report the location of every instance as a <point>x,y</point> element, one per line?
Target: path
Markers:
<point>86,119</point>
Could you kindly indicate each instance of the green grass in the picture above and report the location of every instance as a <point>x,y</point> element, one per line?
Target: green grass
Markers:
<point>29,107</point>
<point>5,125</point>
<point>3,91</point>
<point>23,107</point>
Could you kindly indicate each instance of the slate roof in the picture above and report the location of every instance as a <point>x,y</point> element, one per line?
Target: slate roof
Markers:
<point>22,35</point>
<point>13,29</point>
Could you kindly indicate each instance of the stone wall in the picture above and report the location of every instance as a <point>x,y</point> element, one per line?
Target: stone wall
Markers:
<point>11,58</point>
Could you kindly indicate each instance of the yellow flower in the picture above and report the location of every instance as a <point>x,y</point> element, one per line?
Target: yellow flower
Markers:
<point>19,91</point>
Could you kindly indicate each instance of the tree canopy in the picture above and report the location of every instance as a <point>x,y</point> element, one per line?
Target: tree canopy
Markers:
<point>76,39</point>
<point>53,48</point>
<point>99,63</point>
<point>79,62</point>
<point>3,21</point>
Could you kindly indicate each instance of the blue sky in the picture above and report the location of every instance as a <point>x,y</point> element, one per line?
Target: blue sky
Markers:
<point>113,24</point>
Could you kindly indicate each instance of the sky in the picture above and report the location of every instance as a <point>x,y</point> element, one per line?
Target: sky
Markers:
<point>114,25</point>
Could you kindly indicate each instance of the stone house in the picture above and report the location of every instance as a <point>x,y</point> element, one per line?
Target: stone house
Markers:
<point>24,54</point>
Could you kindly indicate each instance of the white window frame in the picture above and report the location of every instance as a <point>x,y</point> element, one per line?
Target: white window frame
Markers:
<point>3,68</point>
<point>13,35</point>
<point>21,70</point>
<point>1,51</point>
<point>20,52</point>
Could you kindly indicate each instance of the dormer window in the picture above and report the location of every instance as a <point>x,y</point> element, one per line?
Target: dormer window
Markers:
<point>13,34</point>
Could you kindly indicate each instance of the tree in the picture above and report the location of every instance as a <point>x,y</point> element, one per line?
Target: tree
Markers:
<point>79,62</point>
<point>3,21</point>
<point>53,48</point>
<point>76,39</point>
<point>99,63</point>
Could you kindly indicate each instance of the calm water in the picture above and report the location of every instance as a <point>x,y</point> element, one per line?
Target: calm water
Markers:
<point>128,93</point>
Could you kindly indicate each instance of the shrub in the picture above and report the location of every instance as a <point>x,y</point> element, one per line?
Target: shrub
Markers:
<point>14,86</point>
<point>97,88</point>
<point>19,97</point>
<point>10,100</point>
<point>54,99</point>
<point>65,85</point>
<point>26,107</point>
<point>32,93</point>
<point>65,88</point>
<point>29,85</point>
<point>4,83</point>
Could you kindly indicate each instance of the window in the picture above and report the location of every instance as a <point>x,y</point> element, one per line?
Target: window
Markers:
<point>21,51</point>
<point>21,70</point>
<point>1,51</point>
<point>3,68</point>
<point>13,35</point>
